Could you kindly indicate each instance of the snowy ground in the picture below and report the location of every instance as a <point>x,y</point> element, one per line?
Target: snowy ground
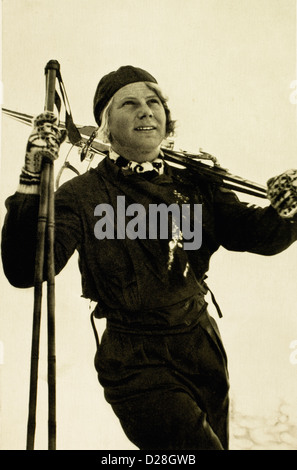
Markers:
<point>277,432</point>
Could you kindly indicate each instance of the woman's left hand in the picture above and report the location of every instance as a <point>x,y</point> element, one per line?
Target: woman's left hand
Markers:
<point>282,193</point>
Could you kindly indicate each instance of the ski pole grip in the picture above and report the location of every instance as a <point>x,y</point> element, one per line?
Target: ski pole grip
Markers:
<point>52,69</point>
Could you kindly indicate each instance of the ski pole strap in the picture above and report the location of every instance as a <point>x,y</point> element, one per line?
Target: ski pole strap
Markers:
<point>72,131</point>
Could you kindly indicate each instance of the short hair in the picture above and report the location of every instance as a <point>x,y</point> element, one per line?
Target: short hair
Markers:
<point>103,132</point>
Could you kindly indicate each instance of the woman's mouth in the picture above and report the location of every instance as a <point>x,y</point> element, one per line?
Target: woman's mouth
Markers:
<point>145,128</point>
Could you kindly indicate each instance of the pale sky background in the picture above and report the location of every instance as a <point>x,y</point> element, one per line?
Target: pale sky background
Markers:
<point>227,67</point>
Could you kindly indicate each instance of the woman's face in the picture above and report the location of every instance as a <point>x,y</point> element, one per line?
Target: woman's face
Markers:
<point>137,122</point>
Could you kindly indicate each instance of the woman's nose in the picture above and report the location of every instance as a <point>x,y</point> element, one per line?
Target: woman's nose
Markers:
<point>144,111</point>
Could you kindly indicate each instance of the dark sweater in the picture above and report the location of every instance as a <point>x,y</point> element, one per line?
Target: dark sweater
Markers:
<point>130,279</point>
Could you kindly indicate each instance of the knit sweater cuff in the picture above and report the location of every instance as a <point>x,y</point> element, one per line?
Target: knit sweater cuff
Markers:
<point>28,189</point>
<point>29,182</point>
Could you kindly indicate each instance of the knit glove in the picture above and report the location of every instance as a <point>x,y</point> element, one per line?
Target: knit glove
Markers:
<point>43,143</point>
<point>282,193</point>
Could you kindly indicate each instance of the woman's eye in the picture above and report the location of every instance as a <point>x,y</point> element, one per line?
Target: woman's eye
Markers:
<point>128,103</point>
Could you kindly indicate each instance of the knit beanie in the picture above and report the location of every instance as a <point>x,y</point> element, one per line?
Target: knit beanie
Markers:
<point>112,82</point>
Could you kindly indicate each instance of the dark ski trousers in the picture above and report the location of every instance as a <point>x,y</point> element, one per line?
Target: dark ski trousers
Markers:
<point>172,393</point>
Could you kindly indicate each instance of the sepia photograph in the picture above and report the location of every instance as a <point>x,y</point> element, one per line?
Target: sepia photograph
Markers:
<point>148,191</point>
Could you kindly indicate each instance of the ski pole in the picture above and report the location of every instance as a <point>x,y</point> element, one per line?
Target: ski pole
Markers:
<point>45,228</point>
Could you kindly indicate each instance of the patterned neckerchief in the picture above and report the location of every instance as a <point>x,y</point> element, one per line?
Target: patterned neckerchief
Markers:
<point>156,165</point>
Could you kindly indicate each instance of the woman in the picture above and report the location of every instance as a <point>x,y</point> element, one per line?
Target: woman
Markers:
<point>161,360</point>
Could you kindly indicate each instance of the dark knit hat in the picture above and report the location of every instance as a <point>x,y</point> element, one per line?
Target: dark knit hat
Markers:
<point>112,82</point>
